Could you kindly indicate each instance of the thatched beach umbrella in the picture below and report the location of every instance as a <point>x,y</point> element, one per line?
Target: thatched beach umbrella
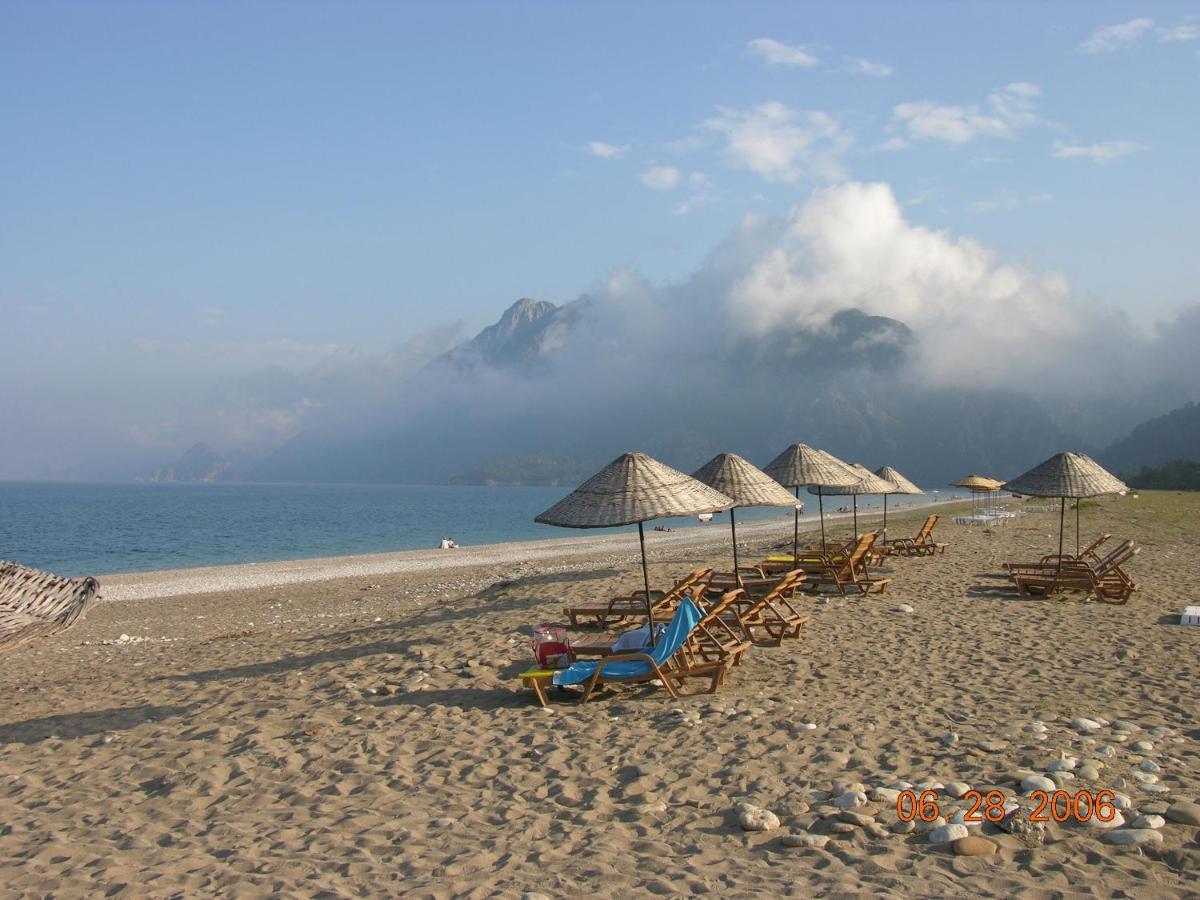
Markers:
<point>801,465</point>
<point>746,485</point>
<point>634,488</point>
<point>978,484</point>
<point>901,484</point>
<point>868,483</point>
<point>1065,475</point>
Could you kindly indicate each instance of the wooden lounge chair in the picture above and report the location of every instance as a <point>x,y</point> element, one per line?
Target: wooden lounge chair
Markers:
<point>634,605</point>
<point>37,604</point>
<point>1106,580</point>
<point>672,661</point>
<point>713,640</point>
<point>1090,553</point>
<point>921,545</point>
<point>770,612</point>
<point>849,573</point>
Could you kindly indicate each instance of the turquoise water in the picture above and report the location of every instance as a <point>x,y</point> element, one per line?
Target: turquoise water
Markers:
<point>78,529</point>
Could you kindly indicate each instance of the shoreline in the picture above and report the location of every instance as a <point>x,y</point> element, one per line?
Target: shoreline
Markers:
<point>164,583</point>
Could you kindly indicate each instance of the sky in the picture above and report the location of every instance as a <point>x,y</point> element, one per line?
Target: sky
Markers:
<point>199,191</point>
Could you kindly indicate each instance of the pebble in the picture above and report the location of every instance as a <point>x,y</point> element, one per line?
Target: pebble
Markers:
<point>1066,764</point>
<point>1061,778</point>
<point>992,746</point>
<point>876,830</point>
<point>1082,724</point>
<point>1036,783</point>
<point>842,827</point>
<point>1018,823</point>
<point>755,818</point>
<point>1124,726</point>
<point>884,795</point>
<point>1089,773</point>
<point>948,833</point>
<point>1144,777</point>
<point>1185,813</point>
<point>856,818</point>
<point>974,846</point>
<point>1121,801</point>
<point>1142,746</point>
<point>1133,836</point>
<point>1161,731</point>
<point>904,608</point>
<point>1149,765</point>
<point>904,828</point>
<point>1115,822</point>
<point>1156,789</point>
<point>1145,821</point>
<point>950,739</point>
<point>1036,727</point>
<point>809,841</point>
<point>850,800</point>
<point>445,822</point>
<point>809,726</point>
<point>535,895</point>
<point>1155,808</point>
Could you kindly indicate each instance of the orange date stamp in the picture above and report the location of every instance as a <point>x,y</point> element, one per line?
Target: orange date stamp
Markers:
<point>1059,806</point>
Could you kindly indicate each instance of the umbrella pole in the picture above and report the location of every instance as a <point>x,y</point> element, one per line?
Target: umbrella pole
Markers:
<point>885,496</point>
<point>1077,528</point>
<point>821,503</point>
<point>796,528</point>
<point>856,517</point>
<point>646,581</point>
<point>737,575</point>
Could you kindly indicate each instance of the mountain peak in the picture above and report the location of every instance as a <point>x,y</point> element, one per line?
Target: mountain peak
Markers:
<point>514,341</point>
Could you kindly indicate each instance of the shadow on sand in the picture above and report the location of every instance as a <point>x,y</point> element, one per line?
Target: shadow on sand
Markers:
<point>76,725</point>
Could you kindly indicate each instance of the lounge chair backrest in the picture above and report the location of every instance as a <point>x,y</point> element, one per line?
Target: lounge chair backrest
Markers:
<point>926,530</point>
<point>1115,557</point>
<point>1113,562</point>
<point>785,584</point>
<point>683,623</point>
<point>861,549</point>
<point>687,617</point>
<point>1090,549</point>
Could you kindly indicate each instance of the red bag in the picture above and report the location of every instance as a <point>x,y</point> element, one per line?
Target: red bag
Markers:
<point>551,646</point>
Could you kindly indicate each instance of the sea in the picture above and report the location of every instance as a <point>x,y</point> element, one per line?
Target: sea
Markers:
<point>98,529</point>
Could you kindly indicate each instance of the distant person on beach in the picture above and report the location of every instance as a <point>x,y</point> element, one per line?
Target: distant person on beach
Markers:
<point>448,544</point>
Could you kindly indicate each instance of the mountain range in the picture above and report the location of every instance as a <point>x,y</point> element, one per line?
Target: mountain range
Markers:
<point>546,395</point>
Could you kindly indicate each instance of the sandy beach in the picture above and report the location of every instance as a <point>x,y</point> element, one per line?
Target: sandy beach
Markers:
<point>353,727</point>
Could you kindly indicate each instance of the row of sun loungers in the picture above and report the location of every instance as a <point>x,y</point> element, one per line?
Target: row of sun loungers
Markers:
<point>714,618</point>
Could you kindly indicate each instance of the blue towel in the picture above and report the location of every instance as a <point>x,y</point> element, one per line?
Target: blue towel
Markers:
<point>686,617</point>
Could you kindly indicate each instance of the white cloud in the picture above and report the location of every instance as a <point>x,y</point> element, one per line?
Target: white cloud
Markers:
<point>777,53</point>
<point>780,143</point>
<point>1112,38</point>
<point>1177,34</point>
<point>660,178</point>
<point>607,151</point>
<point>1116,37</point>
<point>849,246</point>
<point>860,66</point>
<point>1103,152</point>
<point>1006,111</point>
